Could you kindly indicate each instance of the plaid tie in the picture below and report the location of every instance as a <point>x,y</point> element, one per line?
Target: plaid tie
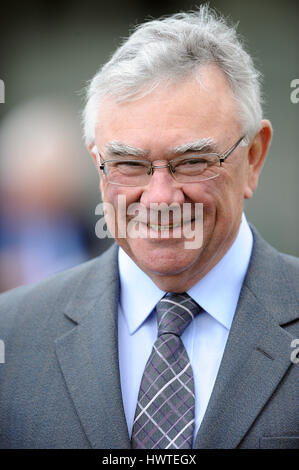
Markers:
<point>164,417</point>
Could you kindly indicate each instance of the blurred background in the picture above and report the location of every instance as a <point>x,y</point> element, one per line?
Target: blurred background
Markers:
<point>48,183</point>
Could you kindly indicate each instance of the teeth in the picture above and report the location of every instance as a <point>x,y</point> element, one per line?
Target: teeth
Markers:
<point>166,227</point>
<point>162,227</point>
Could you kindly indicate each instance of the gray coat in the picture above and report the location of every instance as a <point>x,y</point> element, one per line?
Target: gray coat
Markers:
<point>60,384</point>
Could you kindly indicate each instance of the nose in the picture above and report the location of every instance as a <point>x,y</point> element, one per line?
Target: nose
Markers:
<point>162,188</point>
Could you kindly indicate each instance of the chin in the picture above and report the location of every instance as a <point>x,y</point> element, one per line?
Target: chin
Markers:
<point>165,261</point>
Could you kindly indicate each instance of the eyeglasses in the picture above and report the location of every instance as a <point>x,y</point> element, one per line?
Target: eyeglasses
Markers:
<point>186,169</point>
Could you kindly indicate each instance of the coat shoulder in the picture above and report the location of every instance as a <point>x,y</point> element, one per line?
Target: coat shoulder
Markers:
<point>49,297</point>
<point>273,277</point>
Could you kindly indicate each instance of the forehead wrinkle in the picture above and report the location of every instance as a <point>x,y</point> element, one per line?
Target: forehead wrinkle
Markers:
<point>208,144</point>
<point>119,148</point>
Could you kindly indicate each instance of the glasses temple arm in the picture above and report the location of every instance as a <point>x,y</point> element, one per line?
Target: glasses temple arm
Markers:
<point>227,154</point>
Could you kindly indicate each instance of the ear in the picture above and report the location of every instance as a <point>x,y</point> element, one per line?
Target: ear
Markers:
<point>257,152</point>
<point>94,154</point>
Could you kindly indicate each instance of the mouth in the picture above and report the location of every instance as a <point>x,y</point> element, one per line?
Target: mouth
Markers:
<point>161,228</point>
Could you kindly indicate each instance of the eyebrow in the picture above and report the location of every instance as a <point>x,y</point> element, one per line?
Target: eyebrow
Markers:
<point>202,145</point>
<point>119,149</point>
<point>116,148</point>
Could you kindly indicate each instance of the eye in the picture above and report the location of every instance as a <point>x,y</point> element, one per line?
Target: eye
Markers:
<point>195,161</point>
<point>130,164</point>
<point>192,164</point>
<point>195,165</point>
<point>128,167</point>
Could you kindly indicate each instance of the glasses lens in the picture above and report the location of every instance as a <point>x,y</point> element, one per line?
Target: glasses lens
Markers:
<point>128,172</point>
<point>184,170</point>
<point>196,168</point>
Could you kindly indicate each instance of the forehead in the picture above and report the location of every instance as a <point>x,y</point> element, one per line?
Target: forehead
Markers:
<point>172,114</point>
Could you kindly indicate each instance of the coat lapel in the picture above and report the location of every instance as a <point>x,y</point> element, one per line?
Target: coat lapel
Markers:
<point>256,357</point>
<point>257,353</point>
<point>88,357</point>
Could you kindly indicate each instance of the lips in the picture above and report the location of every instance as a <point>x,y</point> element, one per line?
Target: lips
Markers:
<point>158,227</point>
<point>162,220</point>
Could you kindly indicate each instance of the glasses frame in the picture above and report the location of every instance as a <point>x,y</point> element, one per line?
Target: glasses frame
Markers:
<point>222,157</point>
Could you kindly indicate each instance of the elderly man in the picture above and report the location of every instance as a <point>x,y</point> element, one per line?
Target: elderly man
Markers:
<point>158,344</point>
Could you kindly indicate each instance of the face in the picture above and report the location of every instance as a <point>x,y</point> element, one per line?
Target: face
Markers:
<point>169,117</point>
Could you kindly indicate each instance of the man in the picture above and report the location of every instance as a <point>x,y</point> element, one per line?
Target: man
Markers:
<point>157,344</point>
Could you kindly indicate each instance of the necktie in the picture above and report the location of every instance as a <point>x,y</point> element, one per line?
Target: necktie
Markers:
<point>164,417</point>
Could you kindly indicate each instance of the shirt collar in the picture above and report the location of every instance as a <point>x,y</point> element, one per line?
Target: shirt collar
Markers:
<point>138,293</point>
<point>217,293</point>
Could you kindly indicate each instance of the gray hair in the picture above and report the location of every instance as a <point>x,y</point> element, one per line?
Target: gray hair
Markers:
<point>171,49</point>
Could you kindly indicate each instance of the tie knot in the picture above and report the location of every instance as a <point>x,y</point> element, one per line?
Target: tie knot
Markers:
<point>175,312</point>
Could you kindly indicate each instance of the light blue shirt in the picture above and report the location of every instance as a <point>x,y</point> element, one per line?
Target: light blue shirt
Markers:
<point>204,339</point>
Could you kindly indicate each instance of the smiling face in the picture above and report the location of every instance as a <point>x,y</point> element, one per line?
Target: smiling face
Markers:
<point>170,117</point>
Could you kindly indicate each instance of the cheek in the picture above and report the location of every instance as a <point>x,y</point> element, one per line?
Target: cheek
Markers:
<point>232,182</point>
<point>117,195</point>
<point>221,199</point>
<point>208,193</point>
<point>229,199</point>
